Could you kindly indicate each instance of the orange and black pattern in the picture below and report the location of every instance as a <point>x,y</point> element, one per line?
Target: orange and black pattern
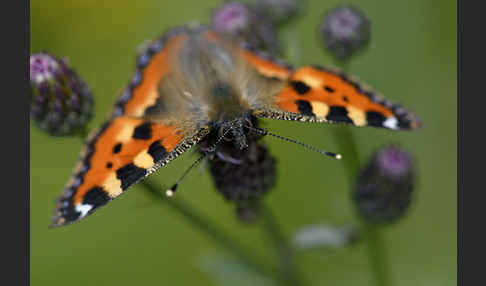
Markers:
<point>128,147</point>
<point>121,153</point>
<point>318,94</point>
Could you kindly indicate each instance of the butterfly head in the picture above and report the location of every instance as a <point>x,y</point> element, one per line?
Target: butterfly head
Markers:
<point>231,135</point>
<point>235,131</point>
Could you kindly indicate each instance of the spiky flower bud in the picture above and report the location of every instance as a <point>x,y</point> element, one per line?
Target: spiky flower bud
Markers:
<point>61,102</point>
<point>278,11</point>
<point>243,23</point>
<point>345,30</point>
<point>384,187</point>
<point>242,175</point>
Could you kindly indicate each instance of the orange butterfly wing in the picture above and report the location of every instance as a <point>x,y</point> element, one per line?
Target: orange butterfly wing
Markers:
<point>266,65</point>
<point>118,155</point>
<point>129,146</point>
<point>323,95</point>
<point>152,65</point>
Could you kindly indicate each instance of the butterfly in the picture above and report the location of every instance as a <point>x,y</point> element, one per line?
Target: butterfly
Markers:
<point>192,83</point>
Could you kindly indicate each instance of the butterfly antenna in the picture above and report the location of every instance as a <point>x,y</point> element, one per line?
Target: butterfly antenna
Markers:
<point>312,148</point>
<point>171,191</point>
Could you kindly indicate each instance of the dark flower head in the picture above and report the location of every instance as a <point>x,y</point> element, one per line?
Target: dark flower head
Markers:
<point>61,103</point>
<point>278,11</point>
<point>384,187</point>
<point>242,22</point>
<point>240,174</point>
<point>345,30</point>
<point>243,175</point>
<point>242,168</point>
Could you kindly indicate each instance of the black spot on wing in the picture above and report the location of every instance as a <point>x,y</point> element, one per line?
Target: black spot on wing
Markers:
<point>70,214</point>
<point>109,165</point>
<point>96,197</point>
<point>338,114</point>
<point>117,148</point>
<point>157,151</point>
<point>375,118</point>
<point>300,87</point>
<point>329,89</point>
<point>143,131</point>
<point>129,174</point>
<point>404,123</point>
<point>305,108</point>
<point>65,211</point>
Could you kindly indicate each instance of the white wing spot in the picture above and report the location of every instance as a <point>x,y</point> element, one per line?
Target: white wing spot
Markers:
<point>391,122</point>
<point>83,209</point>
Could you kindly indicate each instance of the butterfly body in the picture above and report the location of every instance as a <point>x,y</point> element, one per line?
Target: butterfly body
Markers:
<point>193,86</point>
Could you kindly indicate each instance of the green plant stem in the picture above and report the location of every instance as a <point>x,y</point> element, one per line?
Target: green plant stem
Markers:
<point>288,271</point>
<point>203,224</point>
<point>373,234</point>
<point>377,254</point>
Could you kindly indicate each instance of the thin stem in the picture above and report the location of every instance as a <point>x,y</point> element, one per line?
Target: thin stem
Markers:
<point>373,236</point>
<point>206,226</point>
<point>377,255</point>
<point>288,272</point>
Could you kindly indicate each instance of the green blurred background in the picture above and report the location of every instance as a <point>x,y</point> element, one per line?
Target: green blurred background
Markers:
<point>135,240</point>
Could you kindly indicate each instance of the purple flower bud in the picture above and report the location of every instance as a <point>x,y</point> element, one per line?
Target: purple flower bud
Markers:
<point>384,187</point>
<point>43,90</point>
<point>58,106</point>
<point>245,24</point>
<point>57,91</point>
<point>232,18</point>
<point>345,30</point>
<point>40,99</point>
<point>54,120</point>
<point>42,67</point>
<point>393,162</point>
<point>278,11</point>
<point>75,103</point>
